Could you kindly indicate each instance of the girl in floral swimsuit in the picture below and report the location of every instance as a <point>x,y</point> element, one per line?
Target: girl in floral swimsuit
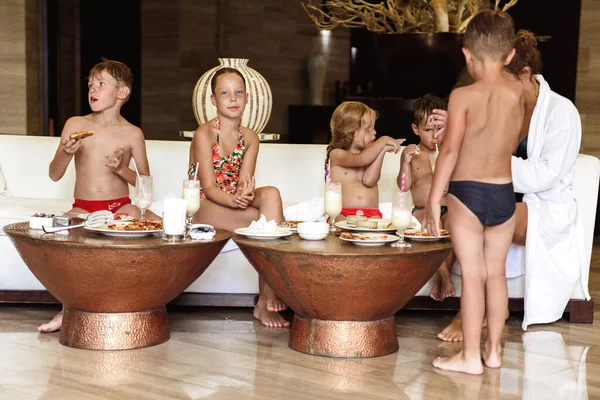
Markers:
<point>226,155</point>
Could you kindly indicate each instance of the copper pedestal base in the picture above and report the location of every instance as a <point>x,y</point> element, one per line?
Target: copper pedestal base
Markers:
<point>343,338</point>
<point>114,331</point>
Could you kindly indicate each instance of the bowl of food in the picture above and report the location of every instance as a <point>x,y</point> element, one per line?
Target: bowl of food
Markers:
<point>313,230</point>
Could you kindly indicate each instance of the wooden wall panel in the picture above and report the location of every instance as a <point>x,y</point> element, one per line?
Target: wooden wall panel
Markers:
<point>13,68</point>
<point>160,69</point>
<point>34,68</point>
<point>197,52</point>
<point>588,77</point>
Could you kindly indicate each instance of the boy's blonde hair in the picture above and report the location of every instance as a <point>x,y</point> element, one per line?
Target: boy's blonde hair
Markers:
<point>490,33</point>
<point>347,118</point>
<point>117,70</point>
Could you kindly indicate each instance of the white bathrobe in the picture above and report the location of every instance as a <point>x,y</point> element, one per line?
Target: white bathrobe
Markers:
<point>554,256</point>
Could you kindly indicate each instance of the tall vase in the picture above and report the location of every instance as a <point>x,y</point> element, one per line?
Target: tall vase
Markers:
<point>260,100</point>
<point>317,69</point>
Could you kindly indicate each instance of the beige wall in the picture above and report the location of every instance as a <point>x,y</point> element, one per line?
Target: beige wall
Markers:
<point>13,67</point>
<point>180,41</point>
<point>588,77</point>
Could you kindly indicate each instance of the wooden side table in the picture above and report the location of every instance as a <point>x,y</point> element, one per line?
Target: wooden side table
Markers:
<point>113,289</point>
<point>345,296</point>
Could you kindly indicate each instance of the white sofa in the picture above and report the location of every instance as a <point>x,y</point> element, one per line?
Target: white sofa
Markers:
<point>297,170</point>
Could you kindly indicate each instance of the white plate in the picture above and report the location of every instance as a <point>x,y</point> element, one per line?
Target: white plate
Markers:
<point>103,229</point>
<point>344,225</point>
<point>254,234</point>
<point>380,242</point>
<point>423,238</point>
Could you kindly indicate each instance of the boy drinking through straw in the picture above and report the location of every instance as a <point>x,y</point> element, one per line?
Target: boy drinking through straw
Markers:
<point>484,122</point>
<point>417,165</point>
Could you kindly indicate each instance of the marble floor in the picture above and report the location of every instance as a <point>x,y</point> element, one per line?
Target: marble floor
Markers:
<point>224,354</point>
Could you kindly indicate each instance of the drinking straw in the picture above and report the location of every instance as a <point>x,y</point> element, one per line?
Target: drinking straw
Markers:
<point>196,171</point>
<point>328,172</point>
<point>402,188</point>
<point>135,167</point>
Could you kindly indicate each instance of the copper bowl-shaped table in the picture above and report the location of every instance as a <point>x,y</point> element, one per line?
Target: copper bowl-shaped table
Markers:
<point>113,290</point>
<point>345,296</point>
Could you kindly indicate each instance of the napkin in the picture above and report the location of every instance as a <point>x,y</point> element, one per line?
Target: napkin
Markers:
<point>202,232</point>
<point>263,226</point>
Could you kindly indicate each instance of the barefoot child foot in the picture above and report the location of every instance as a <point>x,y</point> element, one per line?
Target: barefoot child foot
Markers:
<point>492,357</point>
<point>268,318</point>
<point>53,325</point>
<point>436,289</point>
<point>460,363</point>
<point>273,302</point>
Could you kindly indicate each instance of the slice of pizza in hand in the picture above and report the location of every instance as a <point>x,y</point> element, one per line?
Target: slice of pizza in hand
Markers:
<point>80,135</point>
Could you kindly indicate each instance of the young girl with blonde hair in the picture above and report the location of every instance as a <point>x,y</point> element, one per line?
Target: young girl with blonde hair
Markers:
<point>354,158</point>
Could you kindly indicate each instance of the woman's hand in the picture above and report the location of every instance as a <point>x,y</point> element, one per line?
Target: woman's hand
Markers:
<point>439,120</point>
<point>408,153</point>
<point>116,162</point>
<point>431,222</point>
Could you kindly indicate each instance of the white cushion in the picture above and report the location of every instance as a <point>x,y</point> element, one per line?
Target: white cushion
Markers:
<point>2,184</point>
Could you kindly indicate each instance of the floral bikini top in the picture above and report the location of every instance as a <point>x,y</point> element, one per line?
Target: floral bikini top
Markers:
<point>227,169</point>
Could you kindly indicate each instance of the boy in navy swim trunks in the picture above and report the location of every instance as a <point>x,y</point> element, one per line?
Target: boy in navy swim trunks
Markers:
<point>102,173</point>
<point>484,122</point>
<point>416,166</point>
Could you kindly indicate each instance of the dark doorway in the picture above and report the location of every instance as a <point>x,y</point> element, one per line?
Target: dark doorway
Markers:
<point>79,33</point>
<point>112,29</point>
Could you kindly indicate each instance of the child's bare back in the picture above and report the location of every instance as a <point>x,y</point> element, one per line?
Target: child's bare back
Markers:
<point>493,116</point>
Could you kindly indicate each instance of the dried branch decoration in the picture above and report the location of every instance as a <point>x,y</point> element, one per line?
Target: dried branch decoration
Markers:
<point>399,16</point>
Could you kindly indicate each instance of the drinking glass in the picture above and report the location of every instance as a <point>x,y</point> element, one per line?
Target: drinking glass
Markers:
<point>333,202</point>
<point>174,219</point>
<point>143,193</point>
<point>191,195</point>
<point>401,216</point>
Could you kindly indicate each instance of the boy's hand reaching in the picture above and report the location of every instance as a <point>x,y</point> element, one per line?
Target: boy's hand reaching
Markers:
<point>70,146</point>
<point>408,153</point>
<point>393,145</point>
<point>431,222</point>
<point>116,162</point>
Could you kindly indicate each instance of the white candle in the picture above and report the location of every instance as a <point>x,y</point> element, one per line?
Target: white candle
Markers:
<point>174,216</point>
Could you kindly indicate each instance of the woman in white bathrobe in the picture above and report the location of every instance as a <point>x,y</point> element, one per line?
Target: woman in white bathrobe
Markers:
<point>549,229</point>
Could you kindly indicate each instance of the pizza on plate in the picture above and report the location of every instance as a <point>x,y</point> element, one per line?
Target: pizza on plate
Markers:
<point>416,232</point>
<point>289,224</point>
<point>138,225</point>
<point>358,236</point>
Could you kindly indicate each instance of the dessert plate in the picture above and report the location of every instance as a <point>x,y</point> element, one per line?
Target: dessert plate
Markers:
<point>263,235</point>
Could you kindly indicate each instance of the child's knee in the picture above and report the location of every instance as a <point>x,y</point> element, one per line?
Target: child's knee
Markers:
<point>272,194</point>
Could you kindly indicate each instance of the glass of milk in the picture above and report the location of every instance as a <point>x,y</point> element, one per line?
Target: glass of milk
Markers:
<point>174,219</point>
<point>143,193</point>
<point>401,216</point>
<point>191,195</point>
<point>333,202</point>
